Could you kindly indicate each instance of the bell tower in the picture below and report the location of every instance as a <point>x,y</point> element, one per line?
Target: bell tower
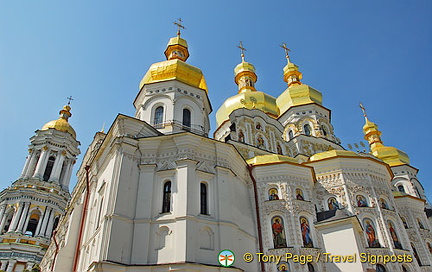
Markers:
<point>31,207</point>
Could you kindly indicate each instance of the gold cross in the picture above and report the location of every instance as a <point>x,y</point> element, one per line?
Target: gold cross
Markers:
<point>242,49</point>
<point>287,50</point>
<point>178,23</point>
<point>70,99</point>
<point>363,109</point>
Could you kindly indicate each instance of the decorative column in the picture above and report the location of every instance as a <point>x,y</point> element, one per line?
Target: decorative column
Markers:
<point>32,164</point>
<point>23,217</point>
<point>2,211</point>
<point>16,218</point>
<point>40,222</point>
<point>68,174</point>
<point>40,167</point>
<point>26,165</point>
<point>3,265</point>
<point>50,225</point>
<point>11,265</point>
<point>55,174</point>
<point>45,222</point>
<point>2,223</point>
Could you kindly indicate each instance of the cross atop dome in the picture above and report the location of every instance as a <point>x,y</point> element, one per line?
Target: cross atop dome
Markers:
<point>287,50</point>
<point>242,49</point>
<point>178,23</point>
<point>70,99</point>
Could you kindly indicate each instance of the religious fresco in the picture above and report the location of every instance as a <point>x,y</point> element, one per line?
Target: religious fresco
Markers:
<point>397,244</point>
<point>273,194</point>
<point>283,266</point>
<point>384,204</point>
<point>371,233</point>
<point>332,204</point>
<point>241,136</point>
<point>306,232</point>
<point>279,238</point>
<point>361,201</point>
<point>299,194</point>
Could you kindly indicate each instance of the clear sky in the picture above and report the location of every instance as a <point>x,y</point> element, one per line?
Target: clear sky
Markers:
<point>377,52</point>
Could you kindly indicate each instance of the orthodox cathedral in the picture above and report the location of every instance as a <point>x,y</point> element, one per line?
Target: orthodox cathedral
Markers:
<point>157,193</point>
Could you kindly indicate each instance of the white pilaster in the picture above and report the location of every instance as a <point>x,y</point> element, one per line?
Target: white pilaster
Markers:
<point>16,218</point>
<point>32,165</point>
<point>55,174</point>
<point>41,164</point>
<point>68,174</point>
<point>23,217</point>
<point>11,265</point>
<point>45,222</point>
<point>39,226</point>
<point>50,225</point>
<point>2,211</point>
<point>26,165</point>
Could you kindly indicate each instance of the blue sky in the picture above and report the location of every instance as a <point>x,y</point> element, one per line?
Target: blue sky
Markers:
<point>377,52</point>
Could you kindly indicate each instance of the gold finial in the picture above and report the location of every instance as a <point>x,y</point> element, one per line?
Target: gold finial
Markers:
<point>70,99</point>
<point>363,110</point>
<point>178,23</point>
<point>242,49</point>
<point>287,50</point>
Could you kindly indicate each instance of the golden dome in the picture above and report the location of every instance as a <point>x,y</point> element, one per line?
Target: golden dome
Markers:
<point>249,100</point>
<point>332,154</point>
<point>390,155</point>
<point>297,92</point>
<point>270,159</point>
<point>175,67</point>
<point>248,97</point>
<point>62,123</point>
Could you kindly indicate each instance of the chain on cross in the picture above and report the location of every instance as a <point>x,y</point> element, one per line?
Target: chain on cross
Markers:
<point>178,23</point>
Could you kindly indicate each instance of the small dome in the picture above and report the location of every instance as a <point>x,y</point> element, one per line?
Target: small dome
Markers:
<point>62,123</point>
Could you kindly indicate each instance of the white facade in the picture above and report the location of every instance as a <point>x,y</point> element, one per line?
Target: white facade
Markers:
<point>155,193</point>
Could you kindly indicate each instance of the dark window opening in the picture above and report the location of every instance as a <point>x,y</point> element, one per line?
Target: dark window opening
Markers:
<point>186,118</point>
<point>166,206</point>
<point>158,119</point>
<point>204,208</point>
<point>48,168</point>
<point>307,130</point>
<point>31,227</point>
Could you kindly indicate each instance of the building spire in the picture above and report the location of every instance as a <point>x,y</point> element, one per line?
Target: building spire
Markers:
<point>178,23</point>
<point>292,75</point>
<point>242,49</point>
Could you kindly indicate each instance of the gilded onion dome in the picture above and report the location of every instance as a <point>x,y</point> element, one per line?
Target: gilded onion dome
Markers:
<point>62,123</point>
<point>390,155</point>
<point>297,93</point>
<point>247,97</point>
<point>175,67</point>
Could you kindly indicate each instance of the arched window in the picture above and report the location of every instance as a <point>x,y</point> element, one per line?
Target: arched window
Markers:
<point>380,268</point>
<point>203,197</point>
<point>49,168</point>
<point>56,222</point>
<point>166,206</point>
<point>158,117</point>
<point>401,189</point>
<point>32,225</point>
<point>290,134</point>
<point>307,129</point>
<point>416,255</point>
<point>186,118</point>
<point>420,224</point>
<point>306,232</point>
<point>324,130</point>
<point>384,204</point>
<point>279,238</point>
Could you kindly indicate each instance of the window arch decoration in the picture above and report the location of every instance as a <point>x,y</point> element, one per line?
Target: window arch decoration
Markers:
<point>401,188</point>
<point>371,233</point>
<point>166,199</point>
<point>384,203</point>
<point>278,230</point>
<point>306,232</point>
<point>273,194</point>
<point>362,201</point>
<point>290,134</point>
<point>332,203</point>
<point>299,194</point>
<point>395,238</point>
